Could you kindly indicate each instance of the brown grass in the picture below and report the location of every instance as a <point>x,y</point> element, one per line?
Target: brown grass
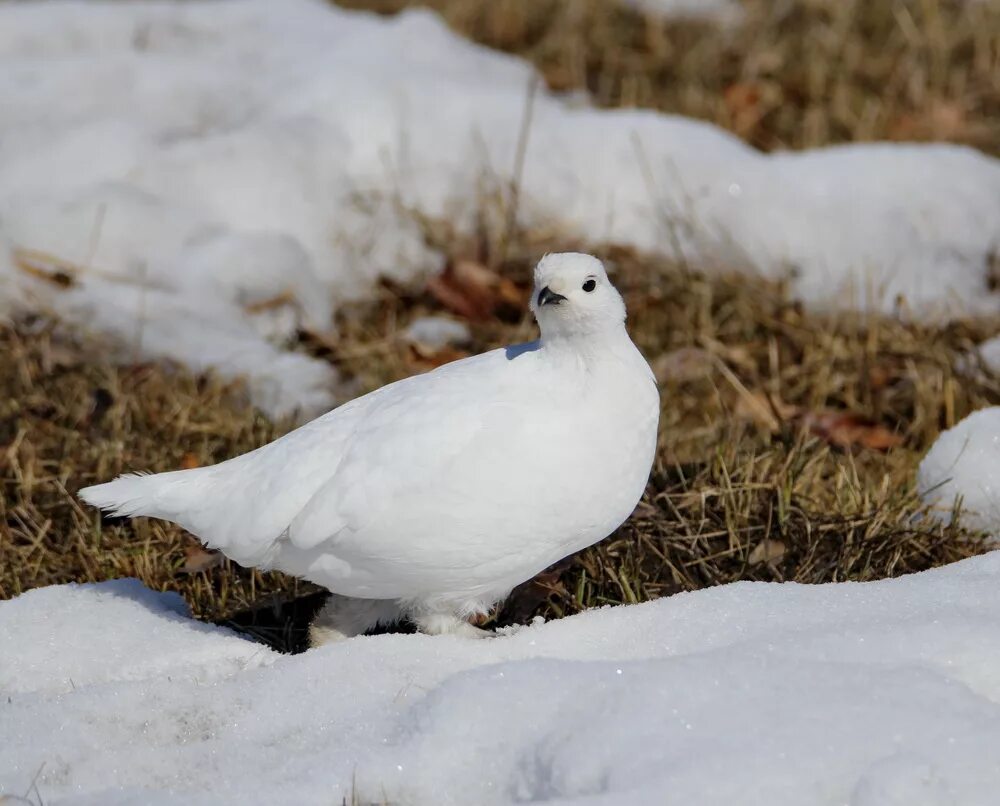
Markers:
<point>791,75</point>
<point>741,489</point>
<point>69,419</point>
<point>728,479</point>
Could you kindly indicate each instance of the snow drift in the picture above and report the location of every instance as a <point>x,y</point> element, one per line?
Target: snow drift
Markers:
<point>962,468</point>
<point>215,175</point>
<point>867,694</point>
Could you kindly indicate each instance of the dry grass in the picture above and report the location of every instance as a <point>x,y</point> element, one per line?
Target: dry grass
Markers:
<point>736,493</point>
<point>741,489</point>
<point>732,472</point>
<point>792,74</point>
<point>68,420</point>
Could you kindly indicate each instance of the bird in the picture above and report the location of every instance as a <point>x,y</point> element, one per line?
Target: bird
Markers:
<point>431,498</point>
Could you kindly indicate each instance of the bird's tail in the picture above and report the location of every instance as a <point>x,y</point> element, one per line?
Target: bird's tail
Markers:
<point>163,495</point>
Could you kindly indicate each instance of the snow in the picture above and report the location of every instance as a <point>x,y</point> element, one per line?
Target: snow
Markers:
<point>69,622</point>
<point>718,11</point>
<point>963,466</point>
<point>989,353</point>
<point>215,176</point>
<point>436,332</point>
<point>218,174</point>
<point>860,693</point>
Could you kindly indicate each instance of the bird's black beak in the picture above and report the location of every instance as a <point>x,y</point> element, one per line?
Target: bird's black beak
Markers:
<point>549,297</point>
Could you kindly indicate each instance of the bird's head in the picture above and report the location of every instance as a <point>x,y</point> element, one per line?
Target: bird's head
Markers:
<point>573,297</point>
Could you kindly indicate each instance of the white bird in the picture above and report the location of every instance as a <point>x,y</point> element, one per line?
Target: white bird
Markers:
<point>432,497</point>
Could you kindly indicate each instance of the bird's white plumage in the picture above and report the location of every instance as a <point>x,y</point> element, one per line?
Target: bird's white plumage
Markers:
<point>445,490</point>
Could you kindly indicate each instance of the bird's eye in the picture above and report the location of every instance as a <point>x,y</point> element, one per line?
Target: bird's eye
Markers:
<point>590,285</point>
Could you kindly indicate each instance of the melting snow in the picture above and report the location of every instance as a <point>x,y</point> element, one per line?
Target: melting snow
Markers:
<point>221,173</point>
<point>963,465</point>
<point>866,694</point>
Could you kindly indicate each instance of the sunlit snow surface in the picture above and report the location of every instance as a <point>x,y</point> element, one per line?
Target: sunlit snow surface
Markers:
<point>752,693</point>
<point>205,161</point>
<point>963,466</point>
<point>201,160</point>
<point>717,11</point>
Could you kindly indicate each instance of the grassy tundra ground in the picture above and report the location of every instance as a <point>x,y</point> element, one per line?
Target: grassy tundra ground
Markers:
<point>789,440</point>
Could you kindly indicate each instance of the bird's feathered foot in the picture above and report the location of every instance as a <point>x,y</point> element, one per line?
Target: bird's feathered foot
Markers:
<point>449,624</point>
<point>343,617</point>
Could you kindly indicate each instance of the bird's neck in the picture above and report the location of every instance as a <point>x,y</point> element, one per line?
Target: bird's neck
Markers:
<point>590,347</point>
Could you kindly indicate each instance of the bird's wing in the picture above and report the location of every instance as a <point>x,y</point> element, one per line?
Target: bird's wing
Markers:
<point>315,481</point>
<point>243,506</point>
<point>413,445</point>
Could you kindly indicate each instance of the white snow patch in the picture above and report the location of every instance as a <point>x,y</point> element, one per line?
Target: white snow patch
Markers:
<point>989,352</point>
<point>225,172</point>
<point>877,693</point>
<point>963,465</point>
<point>81,635</point>
<point>436,331</point>
<point>725,12</point>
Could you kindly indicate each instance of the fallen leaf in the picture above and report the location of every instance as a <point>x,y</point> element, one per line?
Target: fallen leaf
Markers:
<point>767,551</point>
<point>189,461</point>
<point>845,429</point>
<point>473,290</point>
<point>748,101</point>
<point>880,377</point>
<point>937,120</point>
<point>198,559</point>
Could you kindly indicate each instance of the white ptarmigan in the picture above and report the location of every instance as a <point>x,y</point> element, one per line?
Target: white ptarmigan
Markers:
<point>434,496</point>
